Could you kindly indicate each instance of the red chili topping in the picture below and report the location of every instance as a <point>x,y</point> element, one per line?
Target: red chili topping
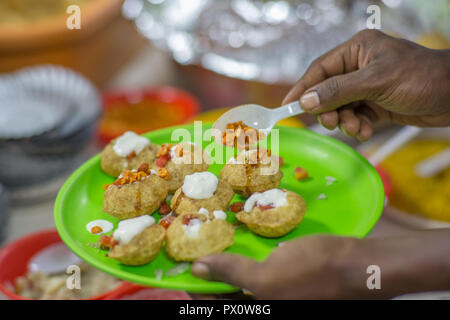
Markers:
<point>107,242</point>
<point>300,173</point>
<point>187,218</point>
<point>164,208</point>
<point>266,207</point>
<point>144,167</point>
<point>161,161</point>
<point>131,155</point>
<point>237,206</point>
<point>96,229</point>
<point>166,221</point>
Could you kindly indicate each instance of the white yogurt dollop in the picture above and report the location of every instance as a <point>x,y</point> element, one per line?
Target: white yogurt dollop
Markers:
<point>193,228</point>
<point>200,185</point>
<point>274,197</point>
<point>105,225</point>
<point>129,142</point>
<point>219,214</point>
<point>205,212</point>
<point>129,228</point>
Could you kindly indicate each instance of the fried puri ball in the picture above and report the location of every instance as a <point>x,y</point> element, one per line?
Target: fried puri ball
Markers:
<point>181,203</point>
<point>275,222</point>
<point>113,164</point>
<point>192,236</point>
<point>181,160</point>
<point>252,172</point>
<point>129,200</point>
<point>143,248</point>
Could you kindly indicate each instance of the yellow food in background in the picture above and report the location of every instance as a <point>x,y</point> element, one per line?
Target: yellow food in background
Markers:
<point>428,197</point>
<point>139,117</point>
<point>434,40</point>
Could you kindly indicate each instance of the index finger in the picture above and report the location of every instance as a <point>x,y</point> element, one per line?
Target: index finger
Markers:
<point>234,269</point>
<point>342,59</point>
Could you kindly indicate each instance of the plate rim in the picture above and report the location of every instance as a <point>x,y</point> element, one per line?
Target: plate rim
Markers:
<point>214,287</point>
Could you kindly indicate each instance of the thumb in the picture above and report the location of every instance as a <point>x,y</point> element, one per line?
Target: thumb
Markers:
<point>337,91</point>
<point>230,268</point>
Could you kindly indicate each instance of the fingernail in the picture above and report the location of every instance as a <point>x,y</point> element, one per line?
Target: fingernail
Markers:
<point>360,138</point>
<point>201,270</point>
<point>319,121</point>
<point>343,130</point>
<point>310,101</point>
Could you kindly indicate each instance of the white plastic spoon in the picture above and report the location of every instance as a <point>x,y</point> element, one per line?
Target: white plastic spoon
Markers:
<point>53,259</point>
<point>258,117</point>
<point>392,144</point>
<point>434,164</point>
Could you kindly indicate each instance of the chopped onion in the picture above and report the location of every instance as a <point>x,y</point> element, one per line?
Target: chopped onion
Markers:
<point>158,274</point>
<point>321,196</point>
<point>330,180</point>
<point>178,269</point>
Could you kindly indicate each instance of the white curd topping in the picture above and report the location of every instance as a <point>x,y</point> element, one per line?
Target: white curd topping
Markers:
<point>105,225</point>
<point>219,214</point>
<point>193,228</point>
<point>129,142</point>
<point>129,228</point>
<point>200,185</point>
<point>205,212</point>
<point>274,197</point>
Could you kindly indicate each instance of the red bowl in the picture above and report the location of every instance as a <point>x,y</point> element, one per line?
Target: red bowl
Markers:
<point>169,101</point>
<point>14,259</point>
<point>386,179</point>
<point>152,294</point>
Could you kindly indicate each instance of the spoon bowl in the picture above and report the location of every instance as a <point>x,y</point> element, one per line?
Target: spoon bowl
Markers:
<point>257,117</point>
<point>53,259</point>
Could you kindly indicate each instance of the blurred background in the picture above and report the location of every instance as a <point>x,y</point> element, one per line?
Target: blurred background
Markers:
<point>146,64</point>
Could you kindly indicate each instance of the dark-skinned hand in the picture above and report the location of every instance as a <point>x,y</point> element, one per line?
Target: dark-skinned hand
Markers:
<point>332,267</point>
<point>373,77</point>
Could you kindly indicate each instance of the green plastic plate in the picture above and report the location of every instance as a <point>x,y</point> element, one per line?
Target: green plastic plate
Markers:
<point>352,207</point>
